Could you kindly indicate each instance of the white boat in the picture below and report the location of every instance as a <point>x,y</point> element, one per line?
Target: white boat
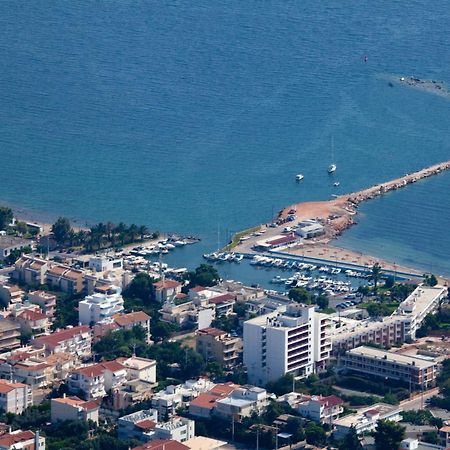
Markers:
<point>179,243</point>
<point>332,167</point>
<point>336,183</point>
<point>299,177</point>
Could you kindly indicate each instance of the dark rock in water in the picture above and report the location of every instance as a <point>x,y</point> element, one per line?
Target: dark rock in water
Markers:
<point>390,84</point>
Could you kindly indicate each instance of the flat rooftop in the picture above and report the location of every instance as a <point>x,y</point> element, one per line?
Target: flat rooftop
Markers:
<point>421,299</point>
<point>398,358</point>
<point>362,416</point>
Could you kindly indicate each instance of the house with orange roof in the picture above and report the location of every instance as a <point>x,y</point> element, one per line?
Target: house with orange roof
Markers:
<point>162,444</point>
<point>65,278</point>
<point>203,406</point>
<point>15,397</point>
<point>96,380</point>
<point>33,321</point>
<point>166,289</point>
<point>75,340</point>
<point>30,270</point>
<point>26,440</point>
<point>133,319</point>
<point>73,408</point>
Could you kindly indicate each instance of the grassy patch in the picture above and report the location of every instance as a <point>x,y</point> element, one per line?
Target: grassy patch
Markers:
<point>236,237</point>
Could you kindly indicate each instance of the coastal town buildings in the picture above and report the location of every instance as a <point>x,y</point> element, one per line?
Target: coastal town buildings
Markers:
<point>10,244</point>
<point>10,294</point>
<point>166,290</point>
<point>97,307</point>
<point>365,420</point>
<point>45,300</point>
<point>217,345</point>
<point>296,341</point>
<point>65,278</point>
<point>74,340</point>
<point>19,439</point>
<point>419,373</point>
<point>73,408</point>
<point>9,334</point>
<point>30,270</point>
<point>15,397</point>
<point>387,331</point>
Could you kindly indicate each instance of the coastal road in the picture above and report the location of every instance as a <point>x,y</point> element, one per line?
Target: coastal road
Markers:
<point>419,401</point>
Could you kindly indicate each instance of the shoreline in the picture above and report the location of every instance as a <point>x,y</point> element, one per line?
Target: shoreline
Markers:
<point>336,216</point>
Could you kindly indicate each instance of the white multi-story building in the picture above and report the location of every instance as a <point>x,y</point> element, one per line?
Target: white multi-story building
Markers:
<point>15,397</point>
<point>296,342</point>
<point>97,307</point>
<point>105,263</point>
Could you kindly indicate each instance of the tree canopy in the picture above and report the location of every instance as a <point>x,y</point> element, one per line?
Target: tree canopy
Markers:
<point>204,275</point>
<point>6,217</point>
<point>388,435</point>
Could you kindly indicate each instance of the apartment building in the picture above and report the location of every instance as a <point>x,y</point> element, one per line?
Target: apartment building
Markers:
<point>419,373</point>
<point>217,345</point>
<point>75,340</point>
<point>97,307</point>
<point>9,334</point>
<point>10,294</point>
<point>96,380</point>
<point>45,300</point>
<point>133,319</point>
<point>30,270</point>
<point>397,328</point>
<point>33,321</point>
<point>169,399</point>
<point>187,313</point>
<point>296,341</point>
<point>73,408</point>
<point>65,278</point>
<point>15,397</point>
<point>139,368</point>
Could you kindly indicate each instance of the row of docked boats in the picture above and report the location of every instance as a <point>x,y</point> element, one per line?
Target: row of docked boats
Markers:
<point>322,284</point>
<point>223,256</point>
<point>162,247</point>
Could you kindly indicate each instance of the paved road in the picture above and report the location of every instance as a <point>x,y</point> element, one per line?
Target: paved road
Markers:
<point>419,401</point>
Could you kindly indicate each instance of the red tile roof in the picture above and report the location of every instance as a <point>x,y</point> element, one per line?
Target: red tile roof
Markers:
<point>161,444</point>
<point>198,289</point>
<point>10,439</point>
<point>331,400</point>
<point>60,336</point>
<point>222,298</point>
<point>131,318</point>
<point>205,401</point>
<point>211,331</point>
<point>166,284</point>
<point>95,370</point>
<point>285,239</point>
<point>31,315</point>
<point>146,424</point>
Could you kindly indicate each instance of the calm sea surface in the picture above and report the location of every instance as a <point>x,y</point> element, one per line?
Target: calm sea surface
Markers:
<point>189,116</point>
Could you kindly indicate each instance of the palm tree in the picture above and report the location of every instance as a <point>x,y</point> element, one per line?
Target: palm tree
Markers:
<point>143,230</point>
<point>133,231</point>
<point>375,275</point>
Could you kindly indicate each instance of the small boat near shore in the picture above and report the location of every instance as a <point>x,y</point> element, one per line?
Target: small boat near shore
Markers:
<point>299,177</point>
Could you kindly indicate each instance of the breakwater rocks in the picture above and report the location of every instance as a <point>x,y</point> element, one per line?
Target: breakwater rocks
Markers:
<point>433,86</point>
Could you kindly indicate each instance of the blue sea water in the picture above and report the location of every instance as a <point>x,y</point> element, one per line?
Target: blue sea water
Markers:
<point>189,116</point>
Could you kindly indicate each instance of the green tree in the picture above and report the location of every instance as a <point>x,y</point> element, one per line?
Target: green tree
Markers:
<point>140,287</point>
<point>6,217</point>
<point>430,280</point>
<point>351,441</point>
<point>389,283</point>
<point>322,301</point>
<point>161,330</point>
<point>388,435</point>
<point>61,229</point>
<point>204,275</point>
<point>143,231</point>
<point>315,434</point>
<point>21,228</point>
<point>375,275</point>
<point>300,295</point>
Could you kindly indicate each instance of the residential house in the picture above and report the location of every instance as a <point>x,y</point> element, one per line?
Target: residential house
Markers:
<point>365,420</point>
<point>168,400</point>
<point>217,345</point>
<point>73,408</point>
<point>131,392</point>
<point>204,404</point>
<point>35,374</point>
<point>9,334</point>
<point>33,321</point>
<point>187,313</point>
<point>144,426</point>
<point>96,380</point>
<point>162,444</point>
<point>133,319</point>
<point>76,340</point>
<point>105,263</point>
<point>30,270</point>
<point>321,409</point>
<point>65,278</point>
<point>10,294</point>
<point>45,300</point>
<point>22,440</point>
<point>97,307</point>
<point>165,290</point>
<point>10,244</point>
<point>242,402</point>
<point>139,368</point>
<point>15,397</point>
